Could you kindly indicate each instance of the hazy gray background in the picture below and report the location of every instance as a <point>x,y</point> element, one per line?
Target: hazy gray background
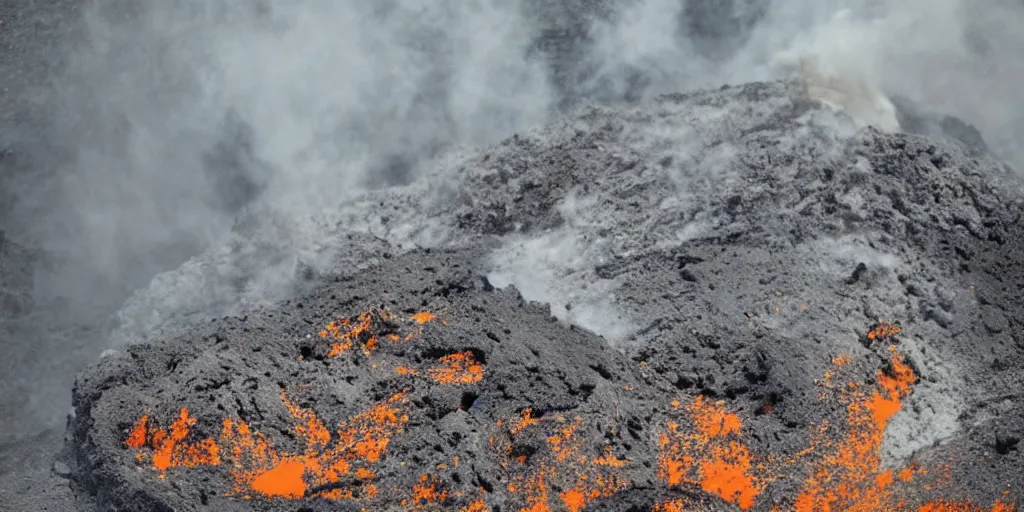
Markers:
<point>137,134</point>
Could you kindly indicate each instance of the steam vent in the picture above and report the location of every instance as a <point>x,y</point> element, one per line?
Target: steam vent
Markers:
<point>828,319</point>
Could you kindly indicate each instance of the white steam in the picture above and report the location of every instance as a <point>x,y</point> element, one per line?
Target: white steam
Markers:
<point>176,118</point>
<point>177,113</point>
<point>558,268</point>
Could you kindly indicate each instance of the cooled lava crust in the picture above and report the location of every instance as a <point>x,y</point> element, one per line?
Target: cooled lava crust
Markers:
<point>759,378</point>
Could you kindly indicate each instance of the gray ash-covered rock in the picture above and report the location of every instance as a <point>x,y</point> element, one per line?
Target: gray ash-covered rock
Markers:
<point>460,394</point>
<point>748,302</point>
<point>705,226</point>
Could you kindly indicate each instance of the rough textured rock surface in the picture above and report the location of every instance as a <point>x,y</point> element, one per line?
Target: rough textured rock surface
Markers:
<point>729,246</point>
<point>238,367</point>
<point>714,274</point>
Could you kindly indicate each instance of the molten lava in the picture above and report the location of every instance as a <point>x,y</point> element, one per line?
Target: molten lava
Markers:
<point>702,449</point>
<point>710,454</point>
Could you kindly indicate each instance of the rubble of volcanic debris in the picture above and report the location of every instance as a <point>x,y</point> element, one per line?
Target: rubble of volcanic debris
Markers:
<point>416,386</point>
<point>727,300</point>
<point>444,393</point>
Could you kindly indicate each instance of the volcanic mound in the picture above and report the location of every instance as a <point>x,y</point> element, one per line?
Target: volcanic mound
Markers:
<point>727,300</point>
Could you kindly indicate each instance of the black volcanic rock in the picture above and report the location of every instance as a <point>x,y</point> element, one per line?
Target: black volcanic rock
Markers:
<point>720,270</point>
<point>238,368</point>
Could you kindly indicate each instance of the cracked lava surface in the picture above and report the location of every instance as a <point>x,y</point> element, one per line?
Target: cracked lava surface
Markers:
<point>841,337</point>
<point>700,446</point>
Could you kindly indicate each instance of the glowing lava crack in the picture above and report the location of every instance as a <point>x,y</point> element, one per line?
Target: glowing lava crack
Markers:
<point>701,447</point>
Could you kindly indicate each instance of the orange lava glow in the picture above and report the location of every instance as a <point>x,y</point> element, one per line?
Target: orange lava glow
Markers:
<point>525,421</point>
<point>348,331</point>
<point>841,360</point>
<point>477,506</point>
<point>366,330</point>
<point>259,468</point>
<point>358,442</point>
<point>428,491</point>
<point>883,330</point>
<point>423,317</point>
<point>710,455</point>
<point>676,505</point>
<point>950,506</point>
<point>848,475</point>
<point>845,473</point>
<point>564,466</point>
<point>534,487</point>
<point>550,462</point>
<point>139,434</point>
<point>461,368</point>
<point>609,459</point>
<point>168,448</point>
<point>404,371</point>
<point>284,480</point>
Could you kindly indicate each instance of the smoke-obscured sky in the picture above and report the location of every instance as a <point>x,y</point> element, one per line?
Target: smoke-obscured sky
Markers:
<point>167,119</point>
<point>175,114</point>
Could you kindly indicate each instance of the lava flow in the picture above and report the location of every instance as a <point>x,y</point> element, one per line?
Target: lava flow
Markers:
<point>259,468</point>
<point>702,450</point>
<point>710,454</point>
<point>561,474</point>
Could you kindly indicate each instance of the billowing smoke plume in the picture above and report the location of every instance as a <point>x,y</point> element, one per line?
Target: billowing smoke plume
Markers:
<point>245,128</point>
<point>176,115</point>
